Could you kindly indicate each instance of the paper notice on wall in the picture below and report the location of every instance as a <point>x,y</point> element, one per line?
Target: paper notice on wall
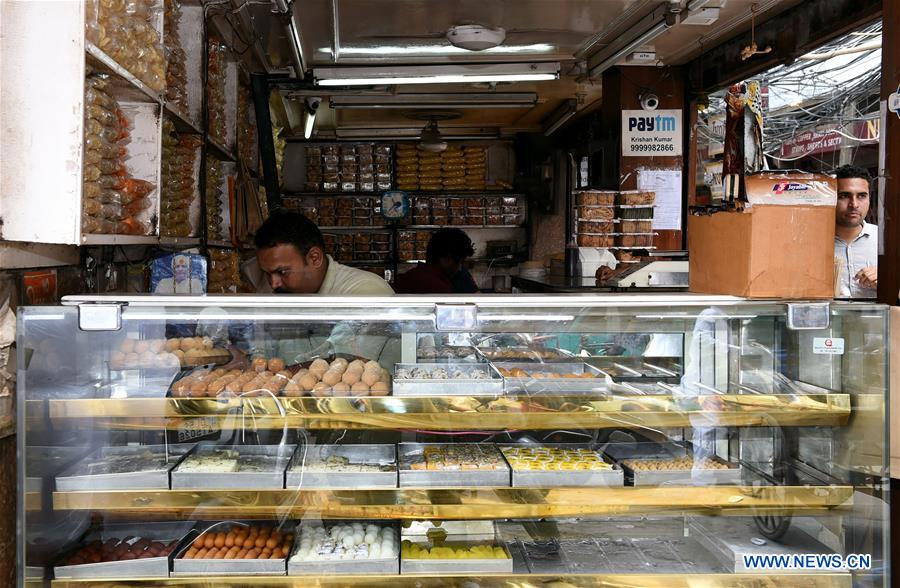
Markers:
<point>667,185</point>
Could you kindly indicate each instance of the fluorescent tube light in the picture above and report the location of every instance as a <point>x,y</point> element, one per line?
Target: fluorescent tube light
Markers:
<point>451,74</point>
<point>310,123</point>
<point>449,100</point>
<point>407,50</point>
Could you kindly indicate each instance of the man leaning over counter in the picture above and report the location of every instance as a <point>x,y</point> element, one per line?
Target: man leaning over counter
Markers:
<point>855,240</point>
<point>291,259</point>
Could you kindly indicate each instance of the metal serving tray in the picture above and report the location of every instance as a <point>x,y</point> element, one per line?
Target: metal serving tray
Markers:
<point>349,567</point>
<point>80,477</point>
<point>704,477</point>
<point>298,476</point>
<point>629,370</point>
<point>563,478</point>
<point>151,567</point>
<point>447,354</point>
<point>600,383</point>
<point>226,567</point>
<point>492,386</point>
<point>524,354</point>
<point>275,460</point>
<point>458,566</point>
<point>447,478</point>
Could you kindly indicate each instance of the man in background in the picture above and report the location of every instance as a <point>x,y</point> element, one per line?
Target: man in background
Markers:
<point>855,240</point>
<point>443,271</point>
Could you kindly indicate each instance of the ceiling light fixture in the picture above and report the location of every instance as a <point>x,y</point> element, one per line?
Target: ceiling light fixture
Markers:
<point>407,50</point>
<point>428,101</point>
<point>475,37</point>
<point>451,74</point>
<point>652,25</point>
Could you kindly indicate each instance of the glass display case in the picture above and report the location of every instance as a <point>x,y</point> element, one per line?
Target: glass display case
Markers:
<point>672,440</point>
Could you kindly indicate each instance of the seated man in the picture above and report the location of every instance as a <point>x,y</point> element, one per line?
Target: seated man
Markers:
<point>855,241</point>
<point>443,271</point>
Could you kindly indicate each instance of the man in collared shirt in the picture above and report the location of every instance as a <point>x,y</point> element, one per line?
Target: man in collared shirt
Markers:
<point>855,241</point>
<point>291,259</point>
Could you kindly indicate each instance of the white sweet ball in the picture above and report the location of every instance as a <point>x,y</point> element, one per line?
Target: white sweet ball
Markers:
<point>370,538</point>
<point>388,552</point>
<point>347,541</point>
<point>370,528</point>
<point>358,537</point>
<point>375,551</point>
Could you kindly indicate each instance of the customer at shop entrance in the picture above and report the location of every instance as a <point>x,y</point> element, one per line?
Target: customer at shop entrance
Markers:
<point>855,241</point>
<point>291,256</point>
<point>443,271</point>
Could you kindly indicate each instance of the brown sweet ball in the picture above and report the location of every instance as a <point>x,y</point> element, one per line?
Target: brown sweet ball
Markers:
<point>372,365</point>
<point>116,360</point>
<point>172,344</point>
<point>141,346</point>
<point>379,389</point>
<point>127,346</point>
<point>356,364</point>
<point>308,382</point>
<point>360,389</point>
<point>331,377</point>
<point>157,345</point>
<point>179,354</point>
<point>321,389</point>
<point>207,343</point>
<point>259,364</point>
<point>319,365</point>
<point>370,377</point>
<point>300,373</point>
<point>340,389</point>
<point>350,377</point>
<point>186,343</point>
<point>339,363</point>
<point>276,364</point>
<point>292,390</point>
<point>385,377</point>
<point>167,360</point>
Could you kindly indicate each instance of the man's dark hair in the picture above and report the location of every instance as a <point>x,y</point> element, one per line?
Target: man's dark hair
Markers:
<point>852,171</point>
<point>452,243</point>
<point>285,227</point>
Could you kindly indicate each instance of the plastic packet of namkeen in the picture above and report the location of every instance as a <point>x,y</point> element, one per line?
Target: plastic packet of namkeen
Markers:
<point>139,188</point>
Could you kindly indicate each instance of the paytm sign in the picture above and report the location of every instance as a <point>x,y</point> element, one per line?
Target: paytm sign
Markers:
<point>651,132</point>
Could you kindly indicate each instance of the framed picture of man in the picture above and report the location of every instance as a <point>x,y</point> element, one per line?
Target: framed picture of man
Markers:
<point>178,273</point>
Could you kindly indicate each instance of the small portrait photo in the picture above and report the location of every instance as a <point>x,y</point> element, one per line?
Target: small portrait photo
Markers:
<point>178,273</point>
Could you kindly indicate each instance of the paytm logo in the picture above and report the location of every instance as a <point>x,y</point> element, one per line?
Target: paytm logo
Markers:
<point>782,187</point>
<point>652,123</point>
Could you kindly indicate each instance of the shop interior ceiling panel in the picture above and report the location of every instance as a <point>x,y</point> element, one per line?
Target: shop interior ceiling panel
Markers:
<point>353,33</point>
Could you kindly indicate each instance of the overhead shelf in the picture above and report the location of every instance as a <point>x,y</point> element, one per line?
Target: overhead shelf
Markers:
<point>463,227</point>
<point>457,413</point>
<point>752,580</point>
<point>119,240</point>
<point>220,244</point>
<point>219,151</point>
<point>460,504</point>
<point>183,123</point>
<point>103,63</point>
<point>179,241</point>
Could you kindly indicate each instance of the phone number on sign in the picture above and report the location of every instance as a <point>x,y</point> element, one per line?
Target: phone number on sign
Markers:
<point>652,147</point>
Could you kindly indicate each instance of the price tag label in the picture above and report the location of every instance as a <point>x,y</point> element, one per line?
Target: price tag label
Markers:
<point>196,428</point>
<point>828,346</point>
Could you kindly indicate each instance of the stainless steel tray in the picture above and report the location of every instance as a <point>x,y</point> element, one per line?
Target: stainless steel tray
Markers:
<point>344,568</point>
<point>151,567</point>
<point>271,477</point>
<point>524,354</point>
<point>229,567</point>
<point>599,383</point>
<point>299,477</point>
<point>447,478</point>
<point>457,566</point>
<point>492,386</point>
<point>79,477</point>
<point>555,479</point>
<point>629,370</point>
<point>702,477</point>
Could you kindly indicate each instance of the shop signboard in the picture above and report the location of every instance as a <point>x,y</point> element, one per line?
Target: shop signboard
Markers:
<point>650,133</point>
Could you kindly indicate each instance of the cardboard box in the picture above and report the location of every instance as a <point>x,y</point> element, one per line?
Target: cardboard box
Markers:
<point>768,251</point>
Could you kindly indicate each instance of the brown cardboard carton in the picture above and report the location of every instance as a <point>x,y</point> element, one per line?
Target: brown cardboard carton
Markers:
<point>764,252</point>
